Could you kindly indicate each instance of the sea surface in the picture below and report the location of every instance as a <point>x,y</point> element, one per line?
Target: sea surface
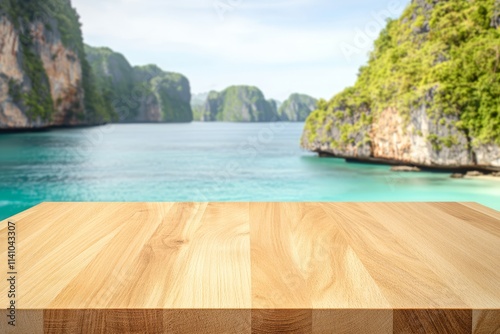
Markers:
<point>203,162</point>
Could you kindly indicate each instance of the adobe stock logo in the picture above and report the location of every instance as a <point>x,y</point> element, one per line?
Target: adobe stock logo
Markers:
<point>363,37</point>
<point>223,7</point>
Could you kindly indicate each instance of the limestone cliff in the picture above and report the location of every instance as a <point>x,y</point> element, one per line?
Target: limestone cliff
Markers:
<point>44,77</point>
<point>297,108</point>
<point>239,104</point>
<point>141,93</point>
<point>428,96</point>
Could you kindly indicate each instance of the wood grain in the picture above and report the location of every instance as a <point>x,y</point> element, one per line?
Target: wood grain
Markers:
<point>27,321</point>
<point>432,321</point>
<point>255,268</point>
<point>486,321</point>
<point>353,321</point>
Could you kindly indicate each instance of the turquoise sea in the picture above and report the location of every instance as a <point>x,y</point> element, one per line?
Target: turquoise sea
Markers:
<point>203,162</point>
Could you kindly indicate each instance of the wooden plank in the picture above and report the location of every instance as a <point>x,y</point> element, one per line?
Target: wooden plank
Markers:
<point>27,321</point>
<point>479,217</point>
<point>101,321</point>
<point>353,321</point>
<point>303,258</point>
<point>210,321</point>
<point>255,268</point>
<point>486,321</point>
<point>268,321</point>
<point>432,321</point>
<point>465,270</point>
<point>405,280</point>
<point>481,208</point>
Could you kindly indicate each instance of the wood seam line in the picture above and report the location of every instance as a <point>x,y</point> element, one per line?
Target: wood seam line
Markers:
<point>415,254</point>
<point>409,250</point>
<point>438,211</point>
<point>486,210</point>
<point>445,212</point>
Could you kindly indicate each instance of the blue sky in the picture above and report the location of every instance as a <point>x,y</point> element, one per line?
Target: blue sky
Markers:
<point>282,46</point>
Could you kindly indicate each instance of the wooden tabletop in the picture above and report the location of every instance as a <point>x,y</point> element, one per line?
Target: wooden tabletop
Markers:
<point>254,268</point>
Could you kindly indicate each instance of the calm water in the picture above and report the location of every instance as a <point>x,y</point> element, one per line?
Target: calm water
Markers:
<point>202,162</point>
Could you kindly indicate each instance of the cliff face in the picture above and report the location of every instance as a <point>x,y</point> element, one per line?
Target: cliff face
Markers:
<point>114,76</point>
<point>428,96</point>
<point>11,71</point>
<point>141,93</point>
<point>165,96</point>
<point>64,72</point>
<point>297,108</point>
<point>43,79</point>
<point>239,104</point>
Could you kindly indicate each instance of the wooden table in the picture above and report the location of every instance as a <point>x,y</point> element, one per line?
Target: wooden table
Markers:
<point>254,268</point>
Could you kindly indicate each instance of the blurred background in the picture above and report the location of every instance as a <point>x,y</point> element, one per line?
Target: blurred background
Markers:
<point>238,100</point>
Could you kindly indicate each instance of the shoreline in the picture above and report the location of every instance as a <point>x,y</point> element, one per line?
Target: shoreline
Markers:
<point>424,168</point>
<point>82,126</point>
<point>483,177</point>
<point>48,128</point>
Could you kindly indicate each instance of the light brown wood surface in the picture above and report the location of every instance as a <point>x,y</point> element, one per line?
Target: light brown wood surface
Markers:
<point>255,268</point>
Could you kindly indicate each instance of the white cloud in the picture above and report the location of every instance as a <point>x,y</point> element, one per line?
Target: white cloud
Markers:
<point>240,39</point>
<point>252,37</point>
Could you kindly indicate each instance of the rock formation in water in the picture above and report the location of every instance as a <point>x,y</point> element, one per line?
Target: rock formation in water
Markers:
<point>297,108</point>
<point>429,95</point>
<point>239,104</point>
<point>141,93</point>
<point>45,79</point>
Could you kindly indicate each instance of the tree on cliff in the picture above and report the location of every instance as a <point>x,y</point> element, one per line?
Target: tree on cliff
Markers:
<point>438,67</point>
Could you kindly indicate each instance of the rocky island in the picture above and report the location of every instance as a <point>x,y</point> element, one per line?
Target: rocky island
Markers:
<point>239,104</point>
<point>429,95</point>
<point>140,93</point>
<point>48,78</point>
<point>248,104</point>
<point>297,108</point>
<point>45,79</point>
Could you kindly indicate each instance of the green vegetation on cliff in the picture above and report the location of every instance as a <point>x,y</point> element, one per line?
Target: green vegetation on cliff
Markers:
<point>38,99</point>
<point>174,93</point>
<point>239,104</point>
<point>444,55</point>
<point>141,93</point>
<point>56,16</point>
<point>297,108</point>
<point>113,75</point>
